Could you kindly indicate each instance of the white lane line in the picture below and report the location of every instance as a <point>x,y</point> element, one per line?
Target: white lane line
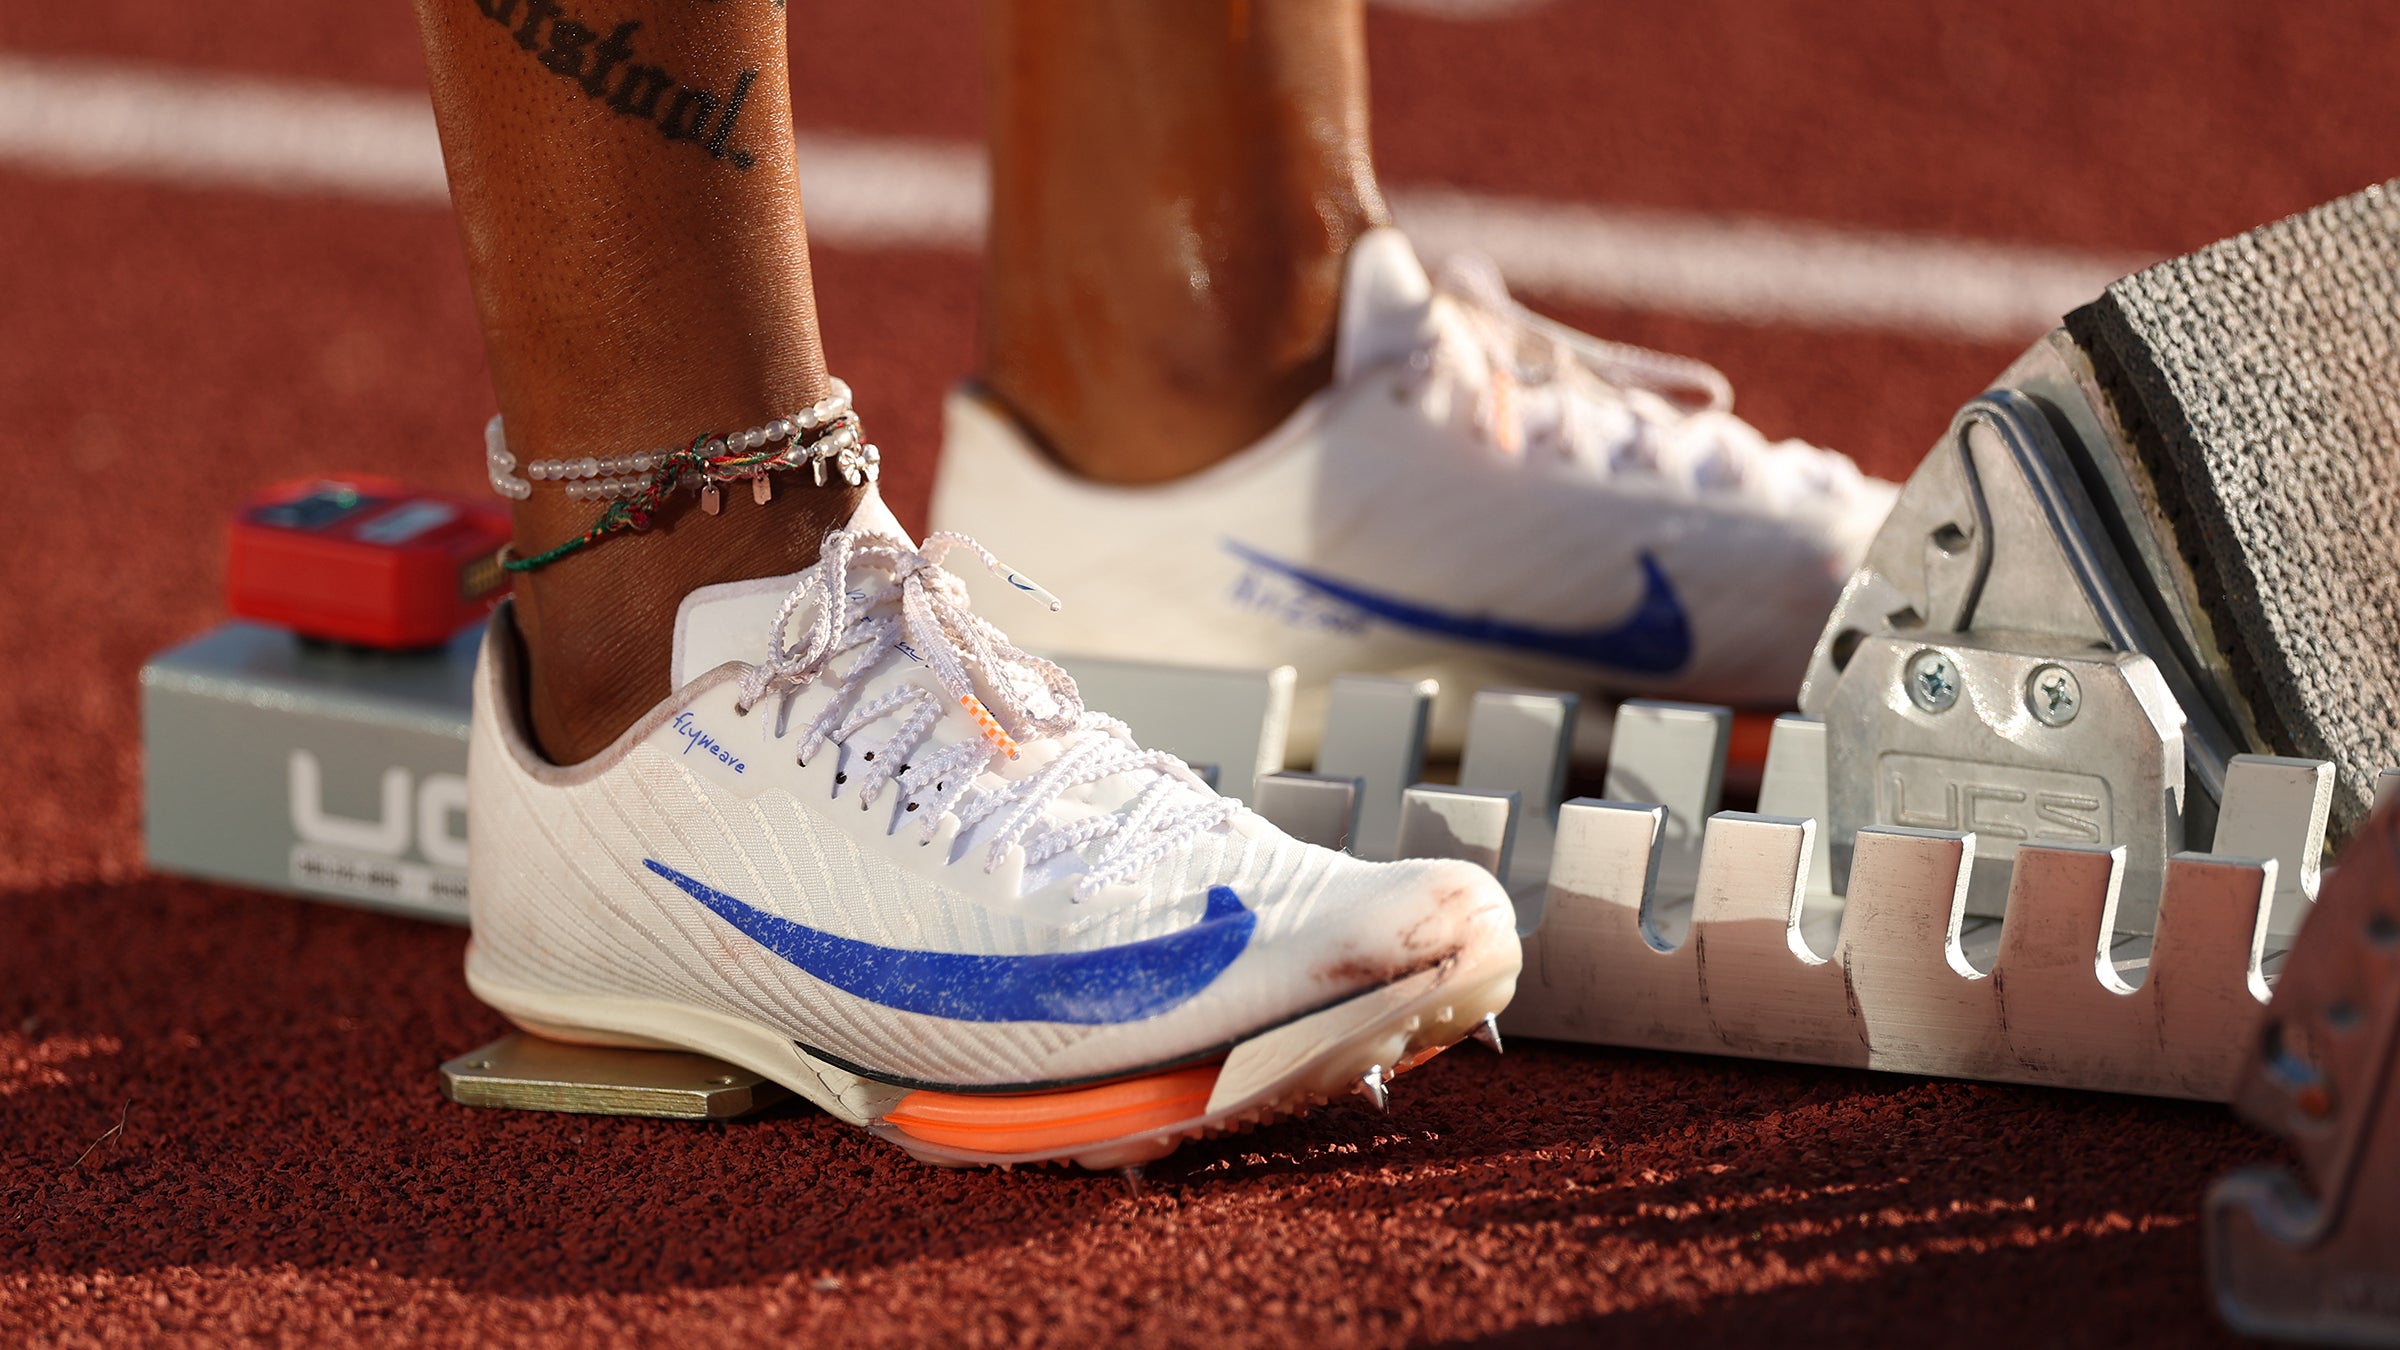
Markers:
<point>1762,271</point>
<point>117,121</point>
<point>91,118</point>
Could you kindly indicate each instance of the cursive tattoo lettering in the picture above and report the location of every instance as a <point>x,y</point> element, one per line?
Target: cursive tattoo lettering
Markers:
<point>608,69</point>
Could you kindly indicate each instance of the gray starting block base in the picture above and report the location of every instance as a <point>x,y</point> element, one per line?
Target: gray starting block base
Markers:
<point>320,771</point>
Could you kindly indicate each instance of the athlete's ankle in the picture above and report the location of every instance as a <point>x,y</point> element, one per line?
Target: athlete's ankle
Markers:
<point>1172,199</point>
<point>598,626</point>
<point>1141,421</point>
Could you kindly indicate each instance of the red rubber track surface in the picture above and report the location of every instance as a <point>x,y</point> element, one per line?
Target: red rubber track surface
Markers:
<point>286,1168</point>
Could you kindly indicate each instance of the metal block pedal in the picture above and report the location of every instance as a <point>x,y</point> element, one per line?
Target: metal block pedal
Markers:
<point>2163,539</point>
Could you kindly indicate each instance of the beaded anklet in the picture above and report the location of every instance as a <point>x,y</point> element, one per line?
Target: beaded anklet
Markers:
<point>825,437</point>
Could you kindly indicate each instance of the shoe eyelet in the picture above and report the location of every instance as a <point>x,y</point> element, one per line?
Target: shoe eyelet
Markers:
<point>841,778</point>
<point>870,756</point>
<point>912,806</point>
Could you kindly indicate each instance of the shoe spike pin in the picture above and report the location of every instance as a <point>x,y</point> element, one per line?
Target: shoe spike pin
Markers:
<point>1488,1032</point>
<point>1370,1086</point>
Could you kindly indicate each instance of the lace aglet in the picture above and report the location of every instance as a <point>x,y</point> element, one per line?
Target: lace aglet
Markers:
<point>1027,584</point>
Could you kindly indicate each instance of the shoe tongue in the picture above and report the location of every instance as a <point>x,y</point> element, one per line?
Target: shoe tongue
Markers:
<point>873,517</point>
<point>1387,304</point>
<point>728,622</point>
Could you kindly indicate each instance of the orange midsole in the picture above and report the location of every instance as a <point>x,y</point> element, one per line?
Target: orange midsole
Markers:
<point>1033,1121</point>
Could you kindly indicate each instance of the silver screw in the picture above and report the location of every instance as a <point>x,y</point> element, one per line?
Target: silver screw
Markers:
<point>1932,681</point>
<point>2053,695</point>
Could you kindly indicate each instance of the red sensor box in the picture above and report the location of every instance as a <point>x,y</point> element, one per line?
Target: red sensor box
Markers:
<point>368,561</point>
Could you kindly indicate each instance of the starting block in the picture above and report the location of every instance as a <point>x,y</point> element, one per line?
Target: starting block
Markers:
<point>2140,595</point>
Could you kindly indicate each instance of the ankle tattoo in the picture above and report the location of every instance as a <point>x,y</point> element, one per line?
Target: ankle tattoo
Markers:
<point>607,68</point>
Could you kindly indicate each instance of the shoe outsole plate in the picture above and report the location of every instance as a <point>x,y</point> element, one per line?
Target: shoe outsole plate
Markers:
<point>1273,1074</point>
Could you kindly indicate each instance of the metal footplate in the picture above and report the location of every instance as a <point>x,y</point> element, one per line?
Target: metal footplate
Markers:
<point>1989,668</point>
<point>2009,722</point>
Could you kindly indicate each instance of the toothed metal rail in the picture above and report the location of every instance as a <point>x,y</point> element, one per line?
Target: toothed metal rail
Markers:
<point>1656,920</point>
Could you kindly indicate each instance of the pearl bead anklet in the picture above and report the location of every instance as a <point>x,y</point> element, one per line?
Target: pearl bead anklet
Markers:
<point>842,448</point>
<point>825,437</point>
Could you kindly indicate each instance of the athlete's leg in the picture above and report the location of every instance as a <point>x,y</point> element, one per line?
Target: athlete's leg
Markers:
<point>1174,189</point>
<point>641,285</point>
<point>624,180</point>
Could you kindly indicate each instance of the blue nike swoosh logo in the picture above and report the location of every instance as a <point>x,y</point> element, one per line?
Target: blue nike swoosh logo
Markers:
<point>1656,639</point>
<point>1114,984</point>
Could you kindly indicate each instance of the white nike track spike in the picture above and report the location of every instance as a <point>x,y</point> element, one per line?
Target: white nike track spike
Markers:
<point>867,847</point>
<point>1480,496</point>
<point>1372,1087</point>
<point>1488,1032</point>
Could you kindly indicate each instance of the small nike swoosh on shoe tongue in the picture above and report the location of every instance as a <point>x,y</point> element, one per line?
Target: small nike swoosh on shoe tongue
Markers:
<point>1656,639</point>
<point>1112,984</point>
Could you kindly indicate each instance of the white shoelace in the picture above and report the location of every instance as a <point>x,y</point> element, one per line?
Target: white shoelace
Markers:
<point>873,595</point>
<point>1609,406</point>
